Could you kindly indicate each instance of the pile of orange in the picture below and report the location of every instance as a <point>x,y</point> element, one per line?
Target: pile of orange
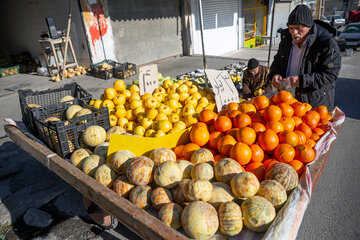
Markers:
<point>261,133</point>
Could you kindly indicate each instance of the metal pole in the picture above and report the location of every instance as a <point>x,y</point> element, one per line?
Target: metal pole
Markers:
<point>201,33</point>
<point>66,40</point>
<point>271,33</point>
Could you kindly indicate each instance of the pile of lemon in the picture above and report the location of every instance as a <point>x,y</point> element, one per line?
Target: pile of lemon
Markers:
<point>171,107</point>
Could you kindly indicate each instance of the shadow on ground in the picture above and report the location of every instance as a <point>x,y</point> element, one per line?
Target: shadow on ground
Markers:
<point>347,96</point>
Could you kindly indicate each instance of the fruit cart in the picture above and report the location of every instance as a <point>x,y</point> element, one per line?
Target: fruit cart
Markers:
<point>146,225</point>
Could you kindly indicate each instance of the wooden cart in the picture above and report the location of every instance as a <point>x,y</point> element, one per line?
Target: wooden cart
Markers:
<point>149,227</point>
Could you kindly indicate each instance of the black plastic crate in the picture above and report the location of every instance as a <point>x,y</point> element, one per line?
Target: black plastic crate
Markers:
<point>46,98</point>
<point>104,74</point>
<point>124,70</point>
<point>65,136</point>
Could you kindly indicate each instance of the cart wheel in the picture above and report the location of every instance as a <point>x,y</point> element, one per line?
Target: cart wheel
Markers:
<point>101,217</point>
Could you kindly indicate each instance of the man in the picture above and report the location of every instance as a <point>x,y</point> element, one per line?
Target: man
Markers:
<point>255,79</point>
<point>308,58</point>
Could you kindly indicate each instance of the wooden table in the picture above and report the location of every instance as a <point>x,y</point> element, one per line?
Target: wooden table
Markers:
<point>54,45</point>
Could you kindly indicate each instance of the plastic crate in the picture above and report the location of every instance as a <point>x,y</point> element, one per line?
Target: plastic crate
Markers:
<point>124,70</point>
<point>9,71</point>
<point>21,57</point>
<point>46,98</point>
<point>104,74</point>
<point>65,136</point>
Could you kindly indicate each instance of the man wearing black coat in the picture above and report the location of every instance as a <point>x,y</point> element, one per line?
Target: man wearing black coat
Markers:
<point>308,58</point>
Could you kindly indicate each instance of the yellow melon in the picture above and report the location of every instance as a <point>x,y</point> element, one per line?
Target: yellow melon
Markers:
<point>170,214</point>
<point>185,167</point>
<point>168,174</point>
<point>94,135</point>
<point>202,171</point>
<point>72,110</point>
<point>221,193</point>
<point>244,185</point>
<point>120,160</point>
<point>161,155</point>
<point>105,175</point>
<point>230,219</point>
<point>90,164</point>
<point>196,190</point>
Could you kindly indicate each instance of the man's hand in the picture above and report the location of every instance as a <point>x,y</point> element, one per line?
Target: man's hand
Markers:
<point>276,81</point>
<point>294,80</point>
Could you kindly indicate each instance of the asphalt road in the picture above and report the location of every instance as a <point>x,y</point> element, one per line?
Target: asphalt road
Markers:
<point>333,212</point>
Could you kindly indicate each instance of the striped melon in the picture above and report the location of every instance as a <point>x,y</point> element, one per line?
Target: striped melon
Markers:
<point>185,167</point>
<point>230,218</point>
<point>140,196</point>
<point>120,160</point>
<point>284,174</point>
<point>105,175</point>
<point>226,169</point>
<point>51,119</point>
<point>67,98</point>
<point>139,170</point>
<point>102,149</point>
<point>274,192</point>
<point>258,213</point>
<point>78,156</point>
<point>114,130</point>
<point>168,174</point>
<point>170,214</point>
<point>83,112</point>
<point>200,220</point>
<point>202,171</point>
<point>202,155</point>
<point>198,190</point>
<point>94,135</point>
<point>122,186</point>
<point>244,185</point>
<point>72,110</point>
<point>178,192</point>
<point>90,164</point>
<point>161,155</point>
<point>221,193</point>
<point>160,196</point>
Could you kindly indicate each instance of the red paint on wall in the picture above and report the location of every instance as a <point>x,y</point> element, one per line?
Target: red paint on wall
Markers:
<point>98,25</point>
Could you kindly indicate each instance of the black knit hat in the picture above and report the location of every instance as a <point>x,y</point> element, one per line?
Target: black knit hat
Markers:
<point>301,15</point>
<point>253,63</point>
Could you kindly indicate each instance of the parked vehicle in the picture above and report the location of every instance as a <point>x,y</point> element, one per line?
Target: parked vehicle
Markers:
<point>338,20</point>
<point>349,37</point>
<point>324,19</point>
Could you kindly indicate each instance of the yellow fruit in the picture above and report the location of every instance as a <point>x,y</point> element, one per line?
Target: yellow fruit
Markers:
<point>167,83</point>
<point>113,120</point>
<point>173,117</point>
<point>127,94</point>
<point>150,133</point>
<point>188,110</point>
<point>92,101</point>
<point>130,115</point>
<point>190,120</point>
<point>152,113</point>
<point>191,101</point>
<point>151,102</point>
<point>159,96</point>
<point>120,106</point>
<point>199,108</point>
<point>108,103</point>
<point>203,100</point>
<point>159,133</point>
<point>160,90</point>
<point>165,125</point>
<point>139,130</point>
<point>134,97</point>
<point>122,121</point>
<point>136,103</point>
<point>134,89</point>
<point>173,130</point>
<point>97,103</point>
<point>173,104</point>
<point>183,89</point>
<point>180,124</point>
<point>172,89</point>
<point>183,96</point>
<point>196,95</point>
<point>141,116</point>
<point>145,96</point>
<point>139,110</point>
<point>175,96</point>
<point>164,109</point>
<point>180,82</point>
<point>110,93</point>
<point>179,111</point>
<point>130,126</point>
<point>146,123</point>
<point>119,85</point>
<point>193,89</point>
<point>120,112</point>
<point>119,99</point>
<point>161,116</point>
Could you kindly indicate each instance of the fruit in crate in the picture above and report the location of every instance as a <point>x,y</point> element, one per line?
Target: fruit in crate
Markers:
<point>274,192</point>
<point>200,220</point>
<point>168,174</point>
<point>284,174</point>
<point>230,219</point>
<point>170,214</point>
<point>122,186</point>
<point>120,160</point>
<point>72,110</point>
<point>221,193</point>
<point>105,175</point>
<point>78,156</point>
<point>67,98</point>
<point>139,170</point>
<point>160,196</point>
<point>94,135</point>
<point>140,196</point>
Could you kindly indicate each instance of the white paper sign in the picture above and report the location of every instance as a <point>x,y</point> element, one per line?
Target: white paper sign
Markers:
<point>223,87</point>
<point>148,79</point>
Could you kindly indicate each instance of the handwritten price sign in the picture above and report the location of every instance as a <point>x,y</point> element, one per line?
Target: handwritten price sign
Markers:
<point>223,87</point>
<point>148,79</point>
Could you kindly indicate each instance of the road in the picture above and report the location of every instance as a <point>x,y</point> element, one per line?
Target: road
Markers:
<point>333,212</point>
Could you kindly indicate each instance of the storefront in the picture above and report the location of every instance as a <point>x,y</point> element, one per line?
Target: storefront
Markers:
<point>255,16</point>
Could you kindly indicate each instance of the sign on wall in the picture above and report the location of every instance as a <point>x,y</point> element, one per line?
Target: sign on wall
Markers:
<point>148,79</point>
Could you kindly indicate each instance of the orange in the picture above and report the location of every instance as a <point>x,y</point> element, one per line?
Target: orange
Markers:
<point>232,132</point>
<point>222,112</point>
<point>288,123</point>
<point>315,114</point>
<point>178,151</point>
<point>315,137</point>
<point>318,131</point>
<point>308,107</point>
<point>284,152</point>
<point>323,112</point>
<point>242,120</point>
<point>225,143</point>
<point>212,128</point>
<point>258,127</point>
<point>310,143</point>
<point>223,123</point>
<point>232,113</point>
<point>257,154</point>
<point>273,100</point>
<point>303,127</point>
<point>269,162</point>
<point>284,96</point>
<point>256,168</point>
<point>219,157</point>
<point>247,107</point>
<point>326,120</point>
<point>299,109</point>
<point>232,106</point>
<point>213,138</point>
<point>275,126</point>
<point>199,134</point>
<point>297,120</point>
<point>310,120</point>
<point>298,166</point>
<point>256,117</point>
<point>241,153</point>
<point>290,138</point>
<point>268,140</point>
<point>272,113</point>
<point>207,116</point>
<point>286,109</point>
<point>189,149</point>
<point>302,137</point>
<point>304,153</point>
<point>260,102</point>
<point>246,135</point>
